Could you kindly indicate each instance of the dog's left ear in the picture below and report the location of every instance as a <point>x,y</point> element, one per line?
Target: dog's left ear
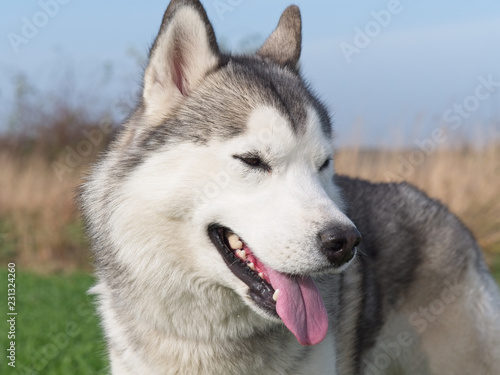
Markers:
<point>284,44</point>
<point>183,52</point>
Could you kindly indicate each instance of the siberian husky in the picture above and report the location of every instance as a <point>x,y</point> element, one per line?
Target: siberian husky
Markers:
<point>225,244</point>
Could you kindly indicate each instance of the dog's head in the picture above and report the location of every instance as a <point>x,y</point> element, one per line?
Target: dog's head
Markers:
<point>227,164</point>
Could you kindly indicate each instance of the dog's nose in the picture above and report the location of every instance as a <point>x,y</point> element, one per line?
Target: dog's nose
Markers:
<point>338,243</point>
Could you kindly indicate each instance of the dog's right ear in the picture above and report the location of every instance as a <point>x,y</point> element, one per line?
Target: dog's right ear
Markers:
<point>285,43</point>
<point>183,52</point>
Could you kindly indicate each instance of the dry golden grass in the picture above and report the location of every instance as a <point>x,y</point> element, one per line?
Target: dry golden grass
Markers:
<point>465,179</point>
<point>40,228</point>
<point>38,223</point>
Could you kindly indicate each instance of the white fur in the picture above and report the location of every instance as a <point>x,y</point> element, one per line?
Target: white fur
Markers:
<point>179,309</point>
<point>295,197</point>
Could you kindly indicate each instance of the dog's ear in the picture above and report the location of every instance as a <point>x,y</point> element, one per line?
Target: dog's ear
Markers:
<point>284,44</point>
<point>183,52</point>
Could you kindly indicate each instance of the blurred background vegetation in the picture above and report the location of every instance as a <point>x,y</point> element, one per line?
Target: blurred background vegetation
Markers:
<point>54,135</point>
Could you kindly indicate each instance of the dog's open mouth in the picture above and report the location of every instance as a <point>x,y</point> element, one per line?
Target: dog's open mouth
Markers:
<point>295,299</point>
<point>241,261</point>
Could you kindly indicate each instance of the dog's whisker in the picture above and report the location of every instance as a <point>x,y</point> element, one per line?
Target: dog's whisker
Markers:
<point>362,253</point>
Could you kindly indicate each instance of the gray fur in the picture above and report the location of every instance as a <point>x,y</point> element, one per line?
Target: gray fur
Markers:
<point>413,245</point>
<point>162,314</point>
<point>284,45</point>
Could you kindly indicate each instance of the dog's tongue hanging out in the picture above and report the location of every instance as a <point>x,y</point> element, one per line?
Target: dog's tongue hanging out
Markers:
<point>300,306</point>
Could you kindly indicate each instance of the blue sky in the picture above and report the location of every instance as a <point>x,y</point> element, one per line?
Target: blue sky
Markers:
<point>415,66</point>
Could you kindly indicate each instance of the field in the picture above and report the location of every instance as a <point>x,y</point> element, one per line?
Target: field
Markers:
<point>40,228</point>
<point>41,231</point>
<point>57,332</point>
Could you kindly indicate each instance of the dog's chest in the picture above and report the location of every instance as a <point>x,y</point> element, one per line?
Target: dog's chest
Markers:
<point>321,359</point>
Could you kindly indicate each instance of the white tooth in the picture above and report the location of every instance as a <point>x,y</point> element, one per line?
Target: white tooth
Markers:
<point>241,254</point>
<point>234,241</point>
<point>276,294</point>
<point>261,275</point>
<point>251,266</point>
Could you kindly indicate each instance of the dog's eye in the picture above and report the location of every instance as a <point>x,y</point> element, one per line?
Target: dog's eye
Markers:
<point>325,165</point>
<point>253,161</point>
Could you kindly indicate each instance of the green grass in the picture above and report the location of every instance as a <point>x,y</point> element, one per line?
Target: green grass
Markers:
<point>495,268</point>
<point>57,331</point>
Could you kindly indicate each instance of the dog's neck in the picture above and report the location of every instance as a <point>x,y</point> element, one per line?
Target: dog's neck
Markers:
<point>194,328</point>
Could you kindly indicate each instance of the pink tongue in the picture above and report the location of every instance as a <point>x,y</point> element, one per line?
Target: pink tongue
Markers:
<point>300,307</point>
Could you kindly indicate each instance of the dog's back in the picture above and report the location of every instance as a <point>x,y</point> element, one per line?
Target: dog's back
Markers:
<point>429,303</point>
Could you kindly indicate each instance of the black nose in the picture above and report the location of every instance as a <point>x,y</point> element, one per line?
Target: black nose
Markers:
<point>338,243</point>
